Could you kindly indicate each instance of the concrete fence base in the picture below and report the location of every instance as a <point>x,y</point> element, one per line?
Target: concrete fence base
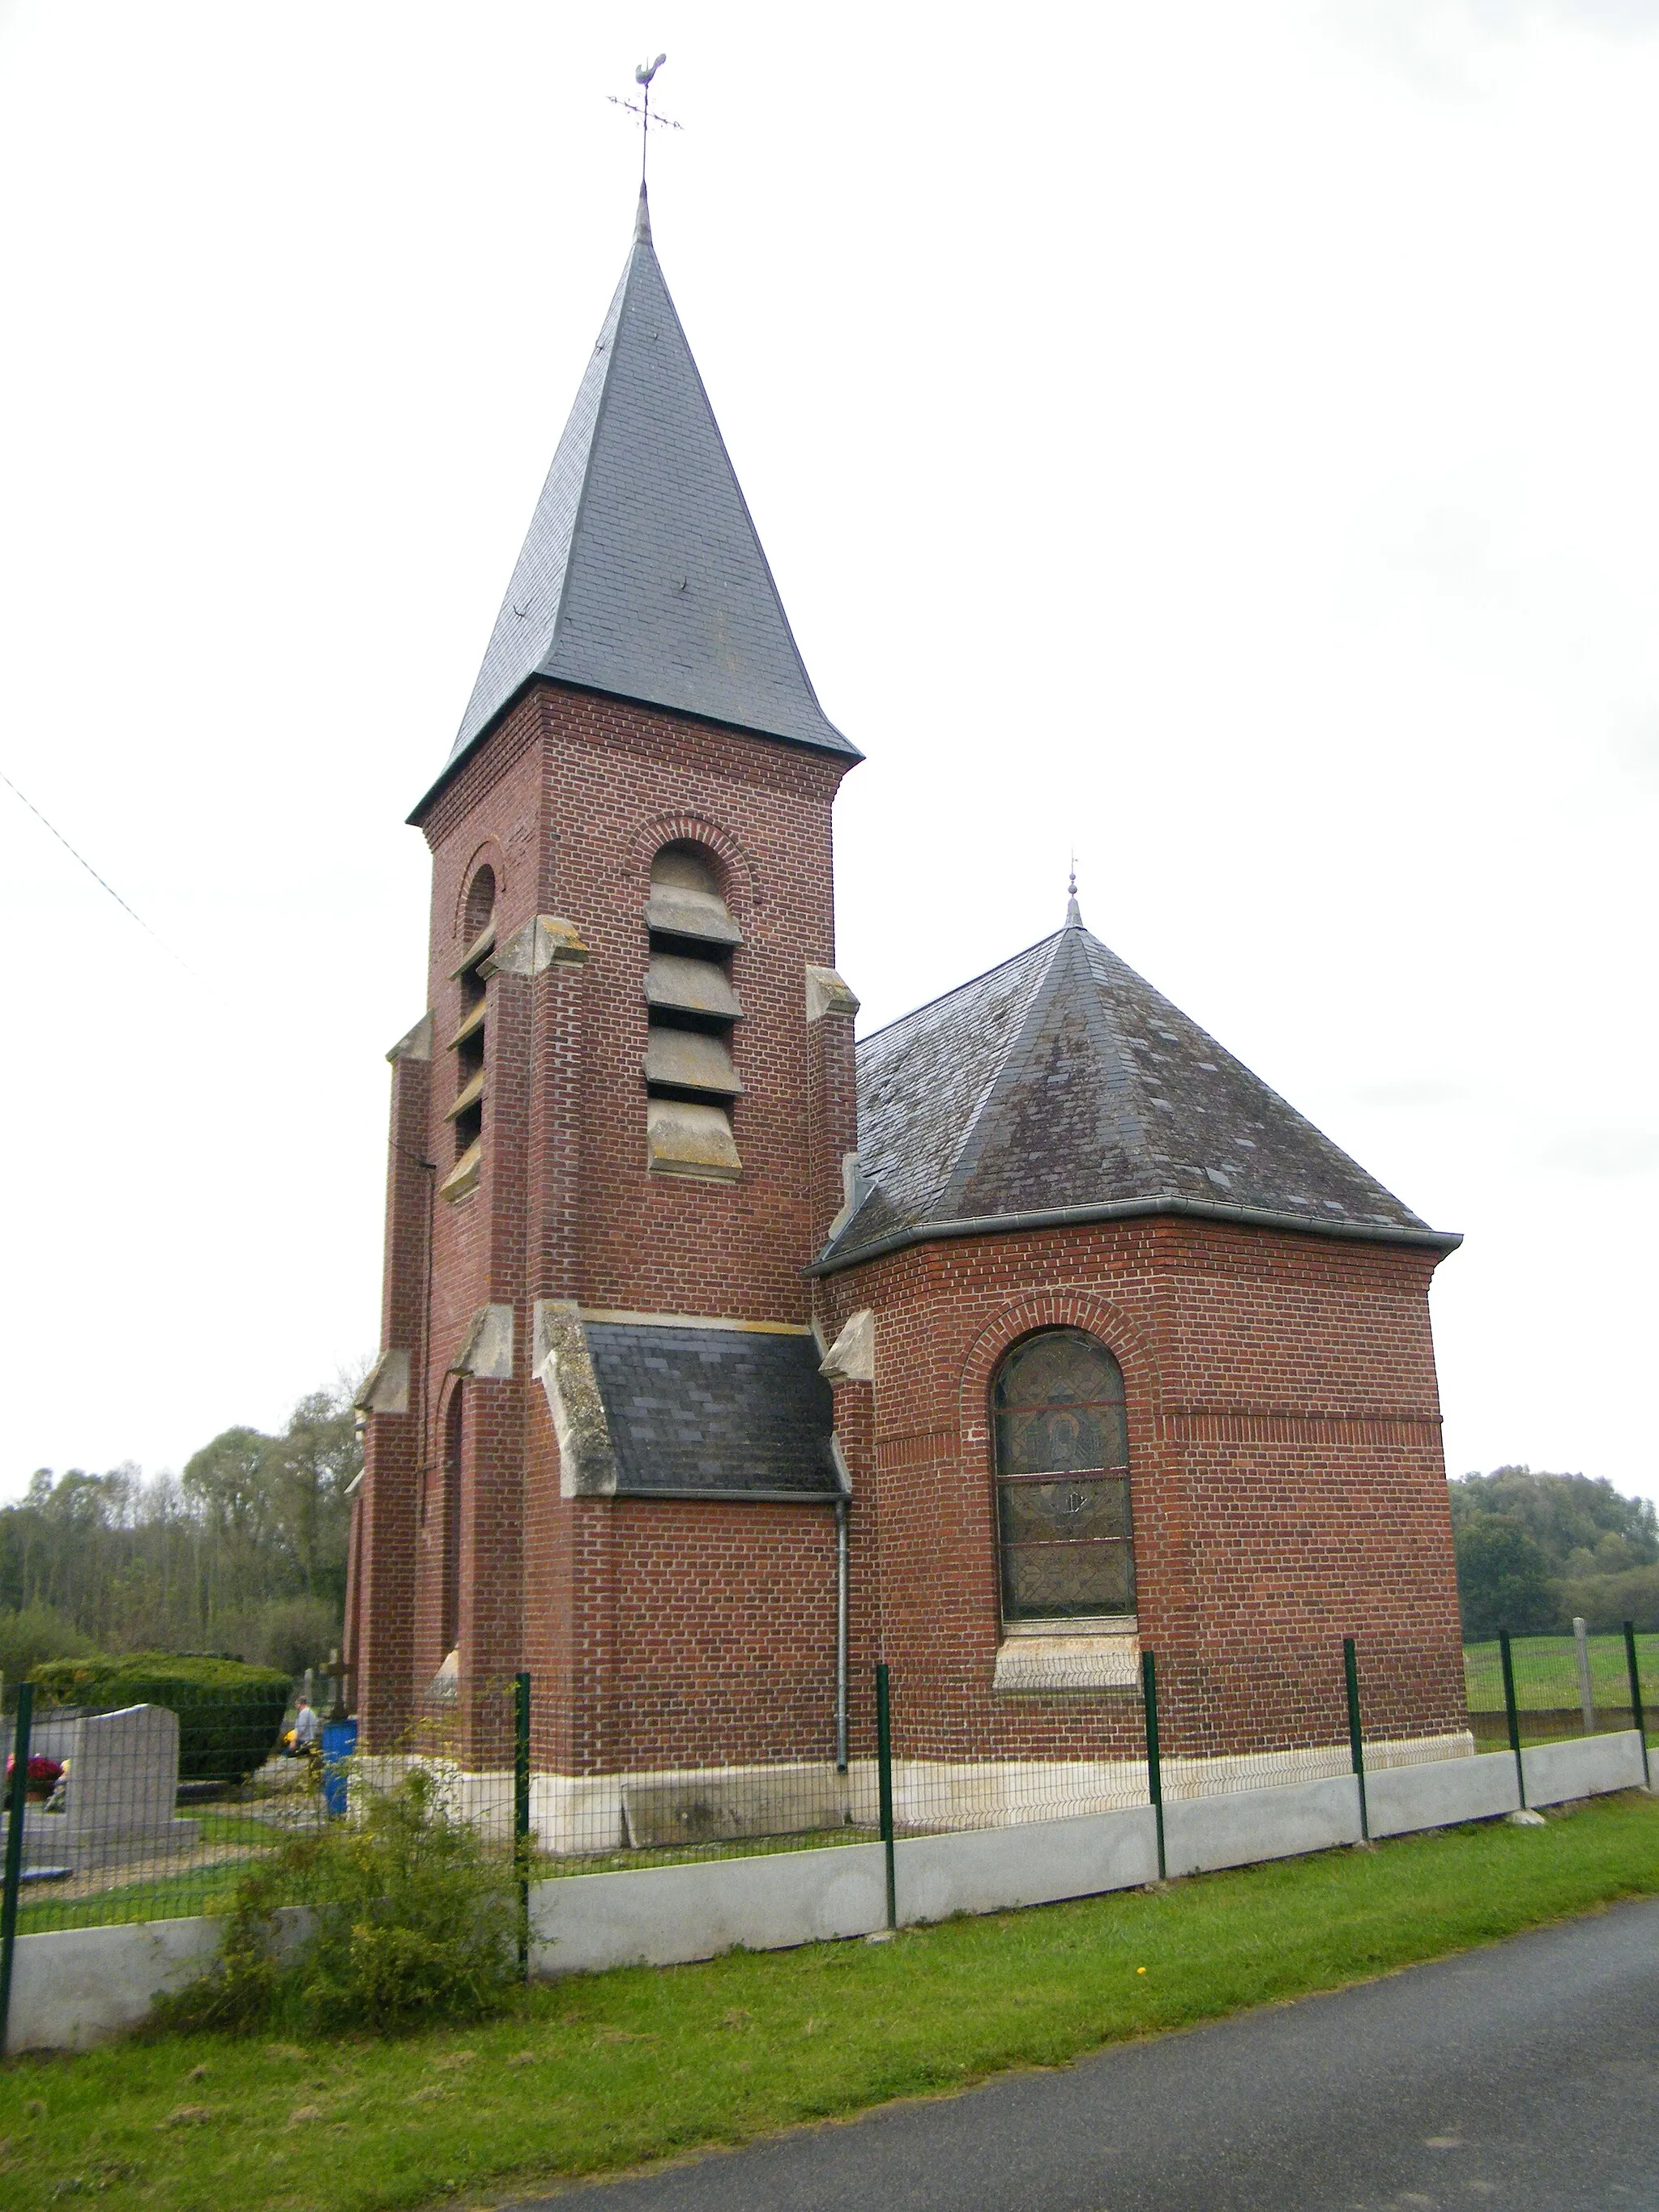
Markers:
<point>84,1986</point>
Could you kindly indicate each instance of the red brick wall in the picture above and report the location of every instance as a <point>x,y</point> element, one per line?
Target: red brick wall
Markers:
<point>1287,1487</point>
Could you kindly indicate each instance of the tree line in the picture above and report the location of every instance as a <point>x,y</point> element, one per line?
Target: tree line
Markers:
<point>1535,1549</point>
<point>243,1553</point>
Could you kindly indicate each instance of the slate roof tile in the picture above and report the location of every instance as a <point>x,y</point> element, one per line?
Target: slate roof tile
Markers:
<point>1062,1083</point>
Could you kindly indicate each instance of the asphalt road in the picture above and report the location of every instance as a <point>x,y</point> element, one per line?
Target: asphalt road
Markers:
<point>1524,2076</point>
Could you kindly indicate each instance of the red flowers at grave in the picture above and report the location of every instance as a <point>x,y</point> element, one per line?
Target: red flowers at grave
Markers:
<point>43,1773</point>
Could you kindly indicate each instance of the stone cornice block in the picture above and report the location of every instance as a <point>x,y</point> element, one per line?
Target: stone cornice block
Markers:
<point>564,1363</point>
<point>826,993</point>
<point>852,1357</point>
<point>549,941</point>
<point>385,1386</point>
<point>417,1045</point>
<point>487,1354</point>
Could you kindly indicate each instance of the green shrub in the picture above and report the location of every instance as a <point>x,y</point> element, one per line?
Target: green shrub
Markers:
<point>31,1634</point>
<point>412,1918</point>
<point>229,1715</point>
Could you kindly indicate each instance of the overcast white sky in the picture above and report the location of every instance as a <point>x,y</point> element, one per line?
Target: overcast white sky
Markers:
<point>1219,438</point>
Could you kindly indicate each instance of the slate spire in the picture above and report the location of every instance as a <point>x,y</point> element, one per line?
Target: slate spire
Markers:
<point>642,574</point>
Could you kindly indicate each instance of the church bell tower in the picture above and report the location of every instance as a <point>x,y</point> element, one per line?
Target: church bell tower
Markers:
<point>617,1130</point>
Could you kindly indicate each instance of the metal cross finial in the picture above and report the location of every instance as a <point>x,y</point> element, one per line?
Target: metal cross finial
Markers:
<point>641,107</point>
<point>1071,887</point>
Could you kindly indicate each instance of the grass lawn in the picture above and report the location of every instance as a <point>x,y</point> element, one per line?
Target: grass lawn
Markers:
<point>160,1889</point>
<point>600,2073</point>
<point>1546,1673</point>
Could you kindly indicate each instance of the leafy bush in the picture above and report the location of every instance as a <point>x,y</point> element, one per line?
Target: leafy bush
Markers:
<point>411,1918</point>
<point>229,1715</point>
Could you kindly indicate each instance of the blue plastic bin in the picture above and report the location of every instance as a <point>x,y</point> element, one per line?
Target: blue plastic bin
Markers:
<point>339,1741</point>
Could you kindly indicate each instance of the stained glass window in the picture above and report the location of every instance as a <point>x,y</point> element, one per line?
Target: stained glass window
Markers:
<point>1062,1462</point>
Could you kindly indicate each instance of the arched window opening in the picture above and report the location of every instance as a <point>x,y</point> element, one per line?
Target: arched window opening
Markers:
<point>465,1113</point>
<point>480,907</point>
<point>1062,1473</point>
<point>690,1078</point>
<point>449,1607</point>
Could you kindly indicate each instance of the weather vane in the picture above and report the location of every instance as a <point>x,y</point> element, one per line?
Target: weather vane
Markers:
<point>641,107</point>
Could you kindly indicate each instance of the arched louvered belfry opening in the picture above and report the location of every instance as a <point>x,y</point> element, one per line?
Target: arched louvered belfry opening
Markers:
<point>465,1111</point>
<point>692,1079</point>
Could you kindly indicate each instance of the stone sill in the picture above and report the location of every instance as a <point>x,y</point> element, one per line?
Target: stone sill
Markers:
<point>1040,1665</point>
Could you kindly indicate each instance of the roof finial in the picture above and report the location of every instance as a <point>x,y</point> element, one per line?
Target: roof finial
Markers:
<point>642,76</point>
<point>1073,912</point>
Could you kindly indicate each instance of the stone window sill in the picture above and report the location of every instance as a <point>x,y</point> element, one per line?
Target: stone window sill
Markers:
<point>1031,1665</point>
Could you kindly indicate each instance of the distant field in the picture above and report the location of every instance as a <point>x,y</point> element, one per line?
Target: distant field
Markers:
<point>1546,1673</point>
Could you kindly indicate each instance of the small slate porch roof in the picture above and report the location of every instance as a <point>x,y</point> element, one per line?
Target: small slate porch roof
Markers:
<point>715,1413</point>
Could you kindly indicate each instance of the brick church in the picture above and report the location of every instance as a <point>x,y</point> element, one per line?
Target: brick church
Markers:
<point>724,1355</point>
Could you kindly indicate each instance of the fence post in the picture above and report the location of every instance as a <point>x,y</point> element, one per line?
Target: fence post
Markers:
<point>17,1798</point>
<point>884,1784</point>
<point>521,1811</point>
<point>1154,1770</point>
<point>1635,1702</point>
<point>1505,1655</point>
<point>1586,1687</point>
<point>1356,1741</point>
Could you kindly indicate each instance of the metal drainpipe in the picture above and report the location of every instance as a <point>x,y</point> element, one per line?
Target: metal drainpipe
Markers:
<point>840,1636</point>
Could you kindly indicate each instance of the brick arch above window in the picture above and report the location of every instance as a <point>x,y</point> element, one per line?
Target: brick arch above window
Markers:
<point>738,869</point>
<point>488,855</point>
<point>1101,1318</point>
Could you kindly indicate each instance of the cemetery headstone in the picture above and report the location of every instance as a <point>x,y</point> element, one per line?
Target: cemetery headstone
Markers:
<point>122,1785</point>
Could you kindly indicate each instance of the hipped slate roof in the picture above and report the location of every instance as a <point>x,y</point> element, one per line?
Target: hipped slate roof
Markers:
<point>1062,1084</point>
<point>715,1412</point>
<point>642,574</point>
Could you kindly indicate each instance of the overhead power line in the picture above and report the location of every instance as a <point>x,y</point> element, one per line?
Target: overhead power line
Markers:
<point>94,874</point>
